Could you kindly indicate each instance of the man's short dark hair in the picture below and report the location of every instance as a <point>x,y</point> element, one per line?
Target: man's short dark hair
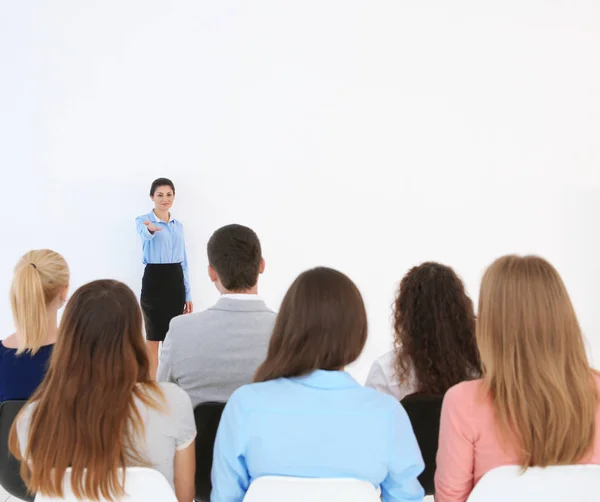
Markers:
<point>235,254</point>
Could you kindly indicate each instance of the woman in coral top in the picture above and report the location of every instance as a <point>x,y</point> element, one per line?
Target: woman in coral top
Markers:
<point>537,404</point>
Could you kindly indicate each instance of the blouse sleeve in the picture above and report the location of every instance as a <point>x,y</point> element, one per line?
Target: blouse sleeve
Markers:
<point>142,230</point>
<point>186,272</point>
<point>406,463</point>
<point>185,426</point>
<point>377,379</point>
<point>230,478</point>
<point>455,455</point>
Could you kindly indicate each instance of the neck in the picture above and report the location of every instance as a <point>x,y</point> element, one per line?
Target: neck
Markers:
<point>162,214</point>
<point>251,291</point>
<point>51,327</point>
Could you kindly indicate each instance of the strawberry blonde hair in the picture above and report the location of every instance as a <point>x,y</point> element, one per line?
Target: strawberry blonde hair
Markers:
<point>543,390</point>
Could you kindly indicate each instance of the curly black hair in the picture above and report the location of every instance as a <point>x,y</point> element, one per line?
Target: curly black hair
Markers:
<point>434,329</point>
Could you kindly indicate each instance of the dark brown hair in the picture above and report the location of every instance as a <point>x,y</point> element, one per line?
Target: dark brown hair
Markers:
<point>161,182</point>
<point>434,329</point>
<point>235,254</point>
<point>322,324</point>
<point>85,414</point>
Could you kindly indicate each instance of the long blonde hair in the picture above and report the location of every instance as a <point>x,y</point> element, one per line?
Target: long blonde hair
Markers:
<point>39,277</point>
<point>535,366</point>
<point>85,414</point>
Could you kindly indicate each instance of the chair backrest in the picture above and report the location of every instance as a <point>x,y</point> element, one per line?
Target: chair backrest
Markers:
<point>207,417</point>
<point>289,489</point>
<point>544,484</point>
<point>141,485</point>
<point>424,412</point>
<point>10,467</point>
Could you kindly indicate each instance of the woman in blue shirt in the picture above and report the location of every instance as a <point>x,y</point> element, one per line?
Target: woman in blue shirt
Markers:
<point>38,291</point>
<point>305,416</point>
<point>165,285</point>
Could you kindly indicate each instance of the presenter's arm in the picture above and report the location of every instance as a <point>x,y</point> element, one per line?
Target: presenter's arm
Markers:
<point>189,306</point>
<point>145,229</point>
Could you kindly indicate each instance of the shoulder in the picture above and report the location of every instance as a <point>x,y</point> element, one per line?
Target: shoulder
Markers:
<point>468,390</point>
<point>466,399</point>
<point>385,363</point>
<point>193,321</point>
<point>255,395</point>
<point>176,398</point>
<point>377,400</point>
<point>143,217</point>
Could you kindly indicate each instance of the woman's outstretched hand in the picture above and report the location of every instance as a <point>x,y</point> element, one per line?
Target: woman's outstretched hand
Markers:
<point>152,227</point>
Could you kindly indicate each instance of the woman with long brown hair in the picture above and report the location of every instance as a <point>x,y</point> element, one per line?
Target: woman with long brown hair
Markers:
<point>98,410</point>
<point>537,404</point>
<point>434,335</point>
<point>305,416</point>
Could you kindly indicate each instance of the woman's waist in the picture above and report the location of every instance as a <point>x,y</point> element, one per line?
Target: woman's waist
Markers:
<point>163,266</point>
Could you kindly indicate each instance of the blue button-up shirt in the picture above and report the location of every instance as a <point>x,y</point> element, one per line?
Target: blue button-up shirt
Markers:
<point>166,246</point>
<point>323,425</point>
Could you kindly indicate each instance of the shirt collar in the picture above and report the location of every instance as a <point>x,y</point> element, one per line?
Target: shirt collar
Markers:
<point>153,217</point>
<point>241,296</point>
<point>323,379</point>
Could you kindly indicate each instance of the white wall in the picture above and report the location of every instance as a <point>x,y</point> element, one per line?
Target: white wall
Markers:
<point>364,135</point>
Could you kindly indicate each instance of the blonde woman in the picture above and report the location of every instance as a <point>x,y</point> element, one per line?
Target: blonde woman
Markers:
<point>39,290</point>
<point>537,404</point>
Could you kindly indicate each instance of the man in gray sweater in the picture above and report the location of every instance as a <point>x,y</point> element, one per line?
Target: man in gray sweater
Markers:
<point>210,354</point>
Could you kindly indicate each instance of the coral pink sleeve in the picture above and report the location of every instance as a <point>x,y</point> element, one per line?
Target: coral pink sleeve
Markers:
<point>455,456</point>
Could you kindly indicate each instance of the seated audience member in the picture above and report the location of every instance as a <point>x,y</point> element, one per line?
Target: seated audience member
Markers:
<point>307,417</point>
<point>434,336</point>
<point>39,290</point>
<point>210,354</point>
<point>98,410</point>
<point>537,403</point>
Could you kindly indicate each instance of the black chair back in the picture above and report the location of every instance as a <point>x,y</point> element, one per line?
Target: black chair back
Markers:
<point>10,467</point>
<point>207,417</point>
<point>424,412</point>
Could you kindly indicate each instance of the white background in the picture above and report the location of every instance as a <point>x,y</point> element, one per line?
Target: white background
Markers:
<point>364,135</point>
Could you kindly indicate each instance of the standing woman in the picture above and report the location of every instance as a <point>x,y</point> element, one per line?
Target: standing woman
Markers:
<point>165,285</point>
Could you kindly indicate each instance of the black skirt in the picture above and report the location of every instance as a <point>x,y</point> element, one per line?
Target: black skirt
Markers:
<point>162,298</point>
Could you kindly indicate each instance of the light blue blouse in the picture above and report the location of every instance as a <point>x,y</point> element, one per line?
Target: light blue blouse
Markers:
<point>323,425</point>
<point>166,246</point>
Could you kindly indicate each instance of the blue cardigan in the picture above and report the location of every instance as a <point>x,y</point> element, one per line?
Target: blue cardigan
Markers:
<point>323,425</point>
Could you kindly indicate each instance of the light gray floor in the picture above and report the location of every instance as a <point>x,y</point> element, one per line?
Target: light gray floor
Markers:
<point>5,497</point>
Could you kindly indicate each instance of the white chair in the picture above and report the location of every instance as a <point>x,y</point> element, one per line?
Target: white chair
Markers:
<point>141,485</point>
<point>561,483</point>
<point>289,489</point>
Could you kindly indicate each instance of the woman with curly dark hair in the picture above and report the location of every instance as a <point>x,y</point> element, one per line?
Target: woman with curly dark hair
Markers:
<point>434,336</point>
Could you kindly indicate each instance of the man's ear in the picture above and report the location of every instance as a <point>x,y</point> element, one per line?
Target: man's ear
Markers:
<point>212,274</point>
<point>262,266</point>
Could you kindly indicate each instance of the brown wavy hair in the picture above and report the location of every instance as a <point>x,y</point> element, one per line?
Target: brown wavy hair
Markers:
<point>536,369</point>
<point>84,414</point>
<point>434,329</point>
<point>322,324</point>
